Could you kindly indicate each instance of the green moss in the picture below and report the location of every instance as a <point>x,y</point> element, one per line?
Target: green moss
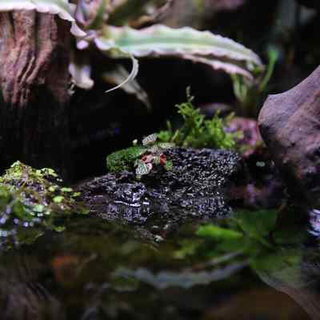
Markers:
<point>197,132</point>
<point>34,198</point>
<point>124,159</point>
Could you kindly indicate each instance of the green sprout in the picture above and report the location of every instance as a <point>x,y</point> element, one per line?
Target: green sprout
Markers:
<point>198,132</point>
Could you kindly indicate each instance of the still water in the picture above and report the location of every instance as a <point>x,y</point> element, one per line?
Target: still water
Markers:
<point>266,266</point>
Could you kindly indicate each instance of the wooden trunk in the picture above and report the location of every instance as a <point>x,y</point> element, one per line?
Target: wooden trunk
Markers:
<point>34,79</point>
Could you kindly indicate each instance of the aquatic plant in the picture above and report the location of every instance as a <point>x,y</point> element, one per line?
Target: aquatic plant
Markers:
<point>143,157</point>
<point>215,251</point>
<point>31,198</point>
<point>122,35</point>
<point>116,28</point>
<point>254,237</point>
<point>250,94</point>
<point>198,132</point>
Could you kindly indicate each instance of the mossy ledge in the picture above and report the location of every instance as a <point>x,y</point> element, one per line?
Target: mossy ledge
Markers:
<point>34,198</point>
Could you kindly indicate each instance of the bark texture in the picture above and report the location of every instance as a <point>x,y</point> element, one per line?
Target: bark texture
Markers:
<point>34,83</point>
<point>290,125</point>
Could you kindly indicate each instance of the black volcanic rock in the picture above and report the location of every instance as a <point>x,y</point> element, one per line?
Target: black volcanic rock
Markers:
<point>193,188</point>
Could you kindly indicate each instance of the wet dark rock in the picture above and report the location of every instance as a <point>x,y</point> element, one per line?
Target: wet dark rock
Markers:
<point>290,126</point>
<point>193,188</point>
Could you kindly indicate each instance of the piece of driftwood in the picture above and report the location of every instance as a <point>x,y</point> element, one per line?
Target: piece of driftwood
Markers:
<point>34,55</point>
<point>290,126</point>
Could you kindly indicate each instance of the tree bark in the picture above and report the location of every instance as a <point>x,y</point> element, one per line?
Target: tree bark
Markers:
<point>34,79</point>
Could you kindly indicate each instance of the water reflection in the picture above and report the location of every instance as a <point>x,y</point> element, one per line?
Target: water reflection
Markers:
<point>23,294</point>
<point>302,280</point>
<point>100,270</point>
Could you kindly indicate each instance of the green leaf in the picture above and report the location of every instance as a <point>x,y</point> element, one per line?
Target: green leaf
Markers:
<point>143,168</point>
<point>32,201</point>
<point>196,132</point>
<point>188,248</point>
<point>59,228</point>
<point>280,267</point>
<point>218,233</point>
<point>58,199</point>
<point>257,223</point>
<point>186,43</point>
<point>150,139</point>
<point>168,165</point>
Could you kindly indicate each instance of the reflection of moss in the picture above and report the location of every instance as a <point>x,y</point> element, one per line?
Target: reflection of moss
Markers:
<point>31,198</point>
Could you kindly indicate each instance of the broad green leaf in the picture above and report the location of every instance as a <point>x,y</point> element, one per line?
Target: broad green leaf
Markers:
<point>257,224</point>
<point>280,267</point>
<point>187,43</point>
<point>62,8</point>
<point>218,233</point>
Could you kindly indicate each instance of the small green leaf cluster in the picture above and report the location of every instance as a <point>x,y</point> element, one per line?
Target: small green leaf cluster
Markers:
<point>197,132</point>
<point>31,198</point>
<point>141,157</point>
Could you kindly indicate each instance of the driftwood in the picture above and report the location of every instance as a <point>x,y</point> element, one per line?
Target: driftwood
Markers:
<point>290,125</point>
<point>33,54</point>
<point>34,83</point>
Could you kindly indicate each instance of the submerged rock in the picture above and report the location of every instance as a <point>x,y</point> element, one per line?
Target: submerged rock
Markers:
<point>193,188</point>
<point>290,126</point>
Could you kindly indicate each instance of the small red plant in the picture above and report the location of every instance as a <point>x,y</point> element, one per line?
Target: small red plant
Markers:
<point>154,155</point>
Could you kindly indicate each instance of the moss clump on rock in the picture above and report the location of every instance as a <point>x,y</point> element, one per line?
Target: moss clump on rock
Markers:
<point>124,159</point>
<point>197,131</point>
<point>34,198</point>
